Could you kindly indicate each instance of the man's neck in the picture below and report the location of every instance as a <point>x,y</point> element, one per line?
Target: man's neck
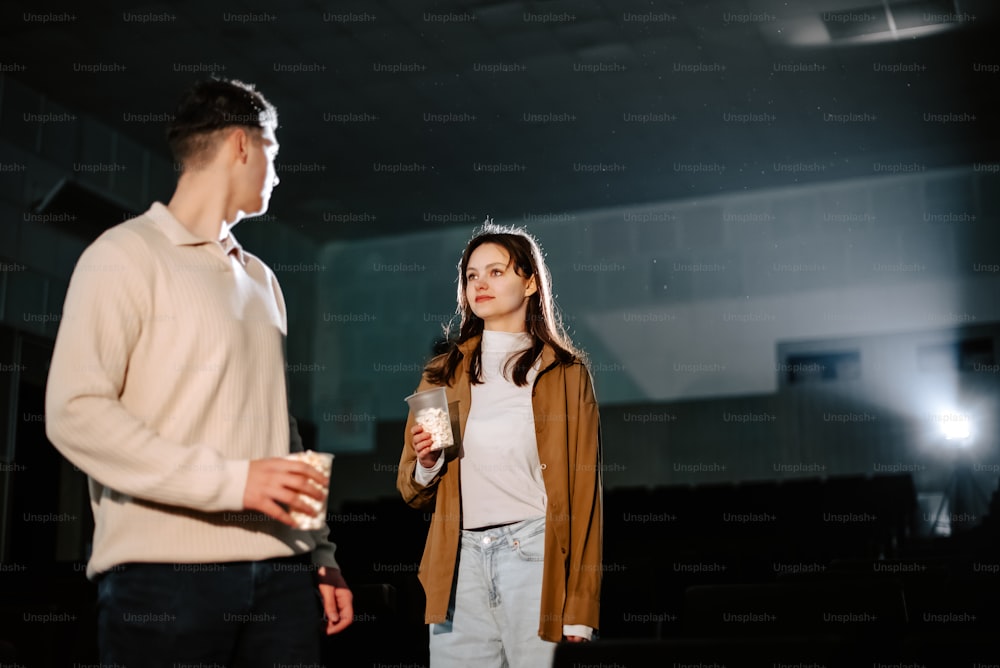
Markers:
<point>199,204</point>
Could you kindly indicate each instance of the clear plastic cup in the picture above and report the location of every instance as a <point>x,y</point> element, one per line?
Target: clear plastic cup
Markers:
<point>322,462</point>
<point>430,410</point>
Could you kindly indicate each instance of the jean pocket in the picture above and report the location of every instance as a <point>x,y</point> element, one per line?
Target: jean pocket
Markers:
<point>531,547</point>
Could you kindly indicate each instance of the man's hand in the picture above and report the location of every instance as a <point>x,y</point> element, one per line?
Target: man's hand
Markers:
<point>422,442</point>
<point>338,601</point>
<point>275,481</point>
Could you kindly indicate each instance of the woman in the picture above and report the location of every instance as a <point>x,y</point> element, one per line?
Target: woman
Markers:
<point>512,563</point>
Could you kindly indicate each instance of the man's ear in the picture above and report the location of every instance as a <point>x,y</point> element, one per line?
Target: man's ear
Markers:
<point>236,143</point>
<point>241,143</point>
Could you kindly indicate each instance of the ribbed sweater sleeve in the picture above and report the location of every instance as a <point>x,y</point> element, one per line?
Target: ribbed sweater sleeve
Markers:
<point>167,379</point>
<point>108,303</point>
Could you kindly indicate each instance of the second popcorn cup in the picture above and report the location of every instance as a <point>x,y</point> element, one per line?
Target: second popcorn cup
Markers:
<point>322,462</point>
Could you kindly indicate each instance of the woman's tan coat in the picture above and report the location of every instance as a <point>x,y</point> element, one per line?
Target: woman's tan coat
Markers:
<point>567,429</point>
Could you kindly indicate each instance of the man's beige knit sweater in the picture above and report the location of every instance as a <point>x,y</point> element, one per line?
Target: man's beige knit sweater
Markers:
<point>168,377</point>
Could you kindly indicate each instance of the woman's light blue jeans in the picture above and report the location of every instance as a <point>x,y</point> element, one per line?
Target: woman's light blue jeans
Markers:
<point>496,602</point>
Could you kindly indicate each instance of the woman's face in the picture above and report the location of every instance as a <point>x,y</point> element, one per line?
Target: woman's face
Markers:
<point>495,292</point>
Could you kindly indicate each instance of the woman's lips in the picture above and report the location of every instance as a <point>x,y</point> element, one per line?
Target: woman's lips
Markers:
<point>482,298</point>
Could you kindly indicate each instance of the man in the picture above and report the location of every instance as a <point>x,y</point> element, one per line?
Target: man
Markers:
<point>167,389</point>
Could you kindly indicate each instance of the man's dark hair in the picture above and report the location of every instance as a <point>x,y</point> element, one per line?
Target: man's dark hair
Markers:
<point>210,106</point>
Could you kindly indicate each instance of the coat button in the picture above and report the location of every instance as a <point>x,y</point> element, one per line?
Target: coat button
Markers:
<point>543,467</point>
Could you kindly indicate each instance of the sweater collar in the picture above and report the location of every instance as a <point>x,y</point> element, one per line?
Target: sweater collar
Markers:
<point>182,236</point>
<point>548,356</point>
<point>505,342</point>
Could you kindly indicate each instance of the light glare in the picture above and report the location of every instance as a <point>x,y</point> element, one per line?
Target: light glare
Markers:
<point>956,426</point>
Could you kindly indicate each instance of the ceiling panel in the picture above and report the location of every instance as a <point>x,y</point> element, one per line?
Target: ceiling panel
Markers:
<point>544,83</point>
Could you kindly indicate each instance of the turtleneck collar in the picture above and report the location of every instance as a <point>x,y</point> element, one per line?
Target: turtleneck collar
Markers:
<point>505,342</point>
<point>548,354</point>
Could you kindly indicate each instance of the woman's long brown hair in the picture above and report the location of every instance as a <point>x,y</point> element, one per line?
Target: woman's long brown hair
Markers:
<point>542,320</point>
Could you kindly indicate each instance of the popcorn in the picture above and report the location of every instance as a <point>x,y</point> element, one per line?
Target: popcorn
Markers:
<point>435,421</point>
<point>430,411</point>
<point>322,462</point>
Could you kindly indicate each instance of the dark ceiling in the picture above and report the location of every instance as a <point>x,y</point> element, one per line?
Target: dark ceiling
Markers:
<point>399,115</point>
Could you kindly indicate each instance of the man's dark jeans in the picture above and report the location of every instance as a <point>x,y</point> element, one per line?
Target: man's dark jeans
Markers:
<point>238,614</point>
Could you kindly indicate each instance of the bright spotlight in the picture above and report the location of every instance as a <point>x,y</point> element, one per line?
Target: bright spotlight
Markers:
<point>956,427</point>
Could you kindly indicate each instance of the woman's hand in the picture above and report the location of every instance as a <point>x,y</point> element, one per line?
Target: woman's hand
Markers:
<point>422,442</point>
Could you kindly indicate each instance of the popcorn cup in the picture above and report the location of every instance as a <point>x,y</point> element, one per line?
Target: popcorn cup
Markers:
<point>322,462</point>
<point>430,410</point>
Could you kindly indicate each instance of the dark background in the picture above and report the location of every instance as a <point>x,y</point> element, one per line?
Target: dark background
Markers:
<point>773,226</point>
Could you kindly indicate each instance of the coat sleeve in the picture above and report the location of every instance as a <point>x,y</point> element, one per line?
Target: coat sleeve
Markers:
<point>421,497</point>
<point>583,589</point>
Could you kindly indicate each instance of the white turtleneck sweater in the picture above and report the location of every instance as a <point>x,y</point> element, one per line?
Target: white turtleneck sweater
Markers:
<point>501,474</point>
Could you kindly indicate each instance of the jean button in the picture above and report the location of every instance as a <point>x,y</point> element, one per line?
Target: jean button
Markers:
<point>486,539</point>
